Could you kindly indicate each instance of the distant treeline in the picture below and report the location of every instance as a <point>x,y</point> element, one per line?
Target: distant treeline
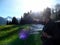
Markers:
<point>14,21</point>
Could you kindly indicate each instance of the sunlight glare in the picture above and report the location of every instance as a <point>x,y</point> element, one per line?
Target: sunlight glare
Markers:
<point>36,5</point>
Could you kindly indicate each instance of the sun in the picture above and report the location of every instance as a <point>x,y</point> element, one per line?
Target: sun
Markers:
<point>36,5</point>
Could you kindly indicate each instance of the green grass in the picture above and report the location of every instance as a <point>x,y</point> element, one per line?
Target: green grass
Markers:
<point>9,36</point>
<point>3,33</point>
<point>5,26</point>
<point>8,40</point>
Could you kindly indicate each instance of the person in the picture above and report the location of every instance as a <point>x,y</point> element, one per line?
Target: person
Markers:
<point>56,33</point>
<point>47,32</point>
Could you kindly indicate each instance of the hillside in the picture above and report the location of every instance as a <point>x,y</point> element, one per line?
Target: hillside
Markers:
<point>2,21</point>
<point>9,36</point>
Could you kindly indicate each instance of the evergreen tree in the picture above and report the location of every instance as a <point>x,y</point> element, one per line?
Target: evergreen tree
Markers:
<point>14,20</point>
<point>22,21</point>
<point>7,22</point>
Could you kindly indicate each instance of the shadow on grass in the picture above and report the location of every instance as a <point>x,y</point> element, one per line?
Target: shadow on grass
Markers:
<point>28,41</point>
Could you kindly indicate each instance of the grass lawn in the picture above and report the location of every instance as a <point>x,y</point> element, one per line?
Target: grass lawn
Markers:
<point>9,36</point>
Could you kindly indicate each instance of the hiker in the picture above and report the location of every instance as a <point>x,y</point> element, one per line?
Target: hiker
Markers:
<point>47,32</point>
<point>56,33</point>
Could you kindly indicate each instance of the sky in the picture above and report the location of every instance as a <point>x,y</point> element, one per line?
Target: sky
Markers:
<point>18,7</point>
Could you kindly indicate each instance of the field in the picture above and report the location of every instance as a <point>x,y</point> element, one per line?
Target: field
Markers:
<point>9,36</point>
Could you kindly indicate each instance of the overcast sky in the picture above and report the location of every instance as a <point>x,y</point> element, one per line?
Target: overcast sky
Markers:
<point>18,7</point>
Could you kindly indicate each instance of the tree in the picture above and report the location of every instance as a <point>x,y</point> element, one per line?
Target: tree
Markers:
<point>7,22</point>
<point>57,11</point>
<point>14,20</point>
<point>21,21</point>
<point>58,15</point>
<point>47,12</point>
<point>57,7</point>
